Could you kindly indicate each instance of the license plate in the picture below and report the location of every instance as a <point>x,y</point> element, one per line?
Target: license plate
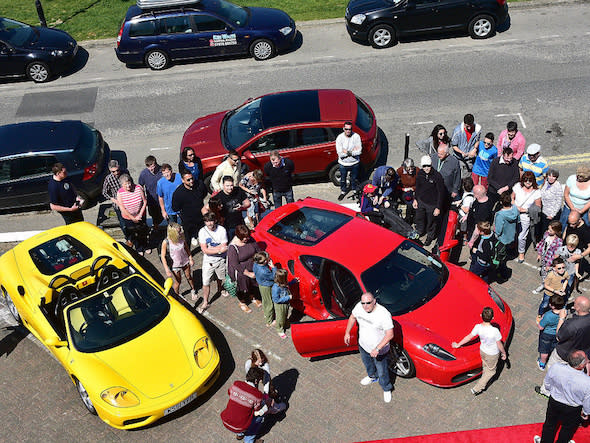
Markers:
<point>183,403</point>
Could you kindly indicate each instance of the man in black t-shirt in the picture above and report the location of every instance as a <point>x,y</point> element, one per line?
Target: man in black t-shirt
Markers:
<point>576,225</point>
<point>62,195</point>
<point>279,171</point>
<point>234,201</point>
<point>188,200</point>
<point>482,209</point>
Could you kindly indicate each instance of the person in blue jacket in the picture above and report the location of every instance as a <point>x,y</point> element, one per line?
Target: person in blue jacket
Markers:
<point>505,222</point>
<point>280,298</point>
<point>385,179</point>
<point>265,277</point>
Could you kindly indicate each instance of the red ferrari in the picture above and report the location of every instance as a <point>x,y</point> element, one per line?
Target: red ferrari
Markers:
<point>337,255</point>
<point>302,125</point>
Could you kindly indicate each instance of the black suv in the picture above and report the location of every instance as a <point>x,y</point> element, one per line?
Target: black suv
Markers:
<point>381,22</point>
<point>29,151</point>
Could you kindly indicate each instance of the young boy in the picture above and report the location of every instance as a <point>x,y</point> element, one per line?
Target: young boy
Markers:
<point>481,257</point>
<point>548,329</point>
<point>572,268</point>
<point>555,284</point>
<point>465,203</point>
<point>490,348</point>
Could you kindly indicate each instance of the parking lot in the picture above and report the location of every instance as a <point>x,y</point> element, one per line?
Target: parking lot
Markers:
<point>326,401</point>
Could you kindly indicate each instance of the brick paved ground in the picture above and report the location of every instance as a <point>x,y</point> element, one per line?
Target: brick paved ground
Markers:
<point>327,402</point>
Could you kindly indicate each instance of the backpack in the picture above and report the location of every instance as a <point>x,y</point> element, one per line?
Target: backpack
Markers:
<point>499,253</point>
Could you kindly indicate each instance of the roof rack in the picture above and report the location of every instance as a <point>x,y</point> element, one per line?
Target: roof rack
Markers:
<point>150,4</point>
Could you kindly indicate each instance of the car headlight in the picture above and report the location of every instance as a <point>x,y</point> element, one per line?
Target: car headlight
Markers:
<point>119,397</point>
<point>57,53</point>
<point>286,30</point>
<point>202,352</point>
<point>438,352</point>
<point>496,299</point>
<point>358,19</point>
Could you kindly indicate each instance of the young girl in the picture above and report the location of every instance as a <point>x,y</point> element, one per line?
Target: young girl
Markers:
<point>251,183</point>
<point>547,248</point>
<point>258,359</point>
<point>280,298</point>
<point>176,246</point>
<point>265,275</point>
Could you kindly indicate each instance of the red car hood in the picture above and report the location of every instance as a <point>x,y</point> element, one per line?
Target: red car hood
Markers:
<point>204,136</point>
<point>461,299</point>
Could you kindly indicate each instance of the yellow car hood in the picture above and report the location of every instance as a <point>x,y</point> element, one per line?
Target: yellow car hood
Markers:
<point>155,363</point>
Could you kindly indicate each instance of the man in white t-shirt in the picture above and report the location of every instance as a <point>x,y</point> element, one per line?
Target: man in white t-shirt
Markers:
<point>213,241</point>
<point>490,348</point>
<point>375,333</point>
<point>348,148</point>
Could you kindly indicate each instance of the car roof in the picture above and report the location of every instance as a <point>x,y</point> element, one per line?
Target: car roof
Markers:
<point>337,247</point>
<point>307,106</point>
<point>43,136</point>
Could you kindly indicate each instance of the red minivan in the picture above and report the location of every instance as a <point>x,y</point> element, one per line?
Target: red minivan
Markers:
<point>301,125</point>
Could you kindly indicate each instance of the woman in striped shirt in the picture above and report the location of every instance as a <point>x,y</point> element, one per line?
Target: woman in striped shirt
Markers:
<point>132,202</point>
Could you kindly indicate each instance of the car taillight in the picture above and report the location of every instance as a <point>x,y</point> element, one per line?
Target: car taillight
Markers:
<point>89,172</point>
<point>120,34</point>
<point>501,2</point>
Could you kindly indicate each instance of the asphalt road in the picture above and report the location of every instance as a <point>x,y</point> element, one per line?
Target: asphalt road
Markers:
<point>535,72</point>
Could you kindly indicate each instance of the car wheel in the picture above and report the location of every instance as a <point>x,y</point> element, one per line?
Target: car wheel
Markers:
<point>482,26</point>
<point>38,72</point>
<point>85,398</point>
<point>382,36</point>
<point>334,174</point>
<point>401,364</point>
<point>156,60</point>
<point>12,307</point>
<point>262,49</point>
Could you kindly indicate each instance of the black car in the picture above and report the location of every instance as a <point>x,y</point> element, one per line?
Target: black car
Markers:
<point>381,22</point>
<point>39,53</point>
<point>29,150</point>
<point>209,28</point>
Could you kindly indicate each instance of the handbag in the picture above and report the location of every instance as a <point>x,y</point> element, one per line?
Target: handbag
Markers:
<point>230,286</point>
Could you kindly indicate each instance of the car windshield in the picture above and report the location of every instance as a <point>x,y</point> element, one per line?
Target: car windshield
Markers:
<point>308,226</point>
<point>241,124</point>
<point>234,14</point>
<point>406,279</point>
<point>15,33</point>
<point>116,315</point>
<point>58,254</point>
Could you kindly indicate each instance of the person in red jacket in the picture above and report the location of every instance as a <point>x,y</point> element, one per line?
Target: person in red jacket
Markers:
<point>245,408</point>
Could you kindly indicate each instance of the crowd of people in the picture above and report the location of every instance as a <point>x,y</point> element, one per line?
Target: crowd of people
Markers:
<point>505,193</point>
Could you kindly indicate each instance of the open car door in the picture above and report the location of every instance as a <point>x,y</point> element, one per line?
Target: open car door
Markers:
<point>322,337</point>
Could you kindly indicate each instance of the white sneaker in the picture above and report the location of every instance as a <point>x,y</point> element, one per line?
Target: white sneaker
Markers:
<point>368,380</point>
<point>194,242</point>
<point>387,396</point>
<point>536,439</point>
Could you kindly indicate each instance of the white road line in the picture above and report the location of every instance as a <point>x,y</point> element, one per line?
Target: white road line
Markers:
<point>13,237</point>
<point>238,334</point>
<point>159,149</point>
<point>422,123</point>
<point>518,114</point>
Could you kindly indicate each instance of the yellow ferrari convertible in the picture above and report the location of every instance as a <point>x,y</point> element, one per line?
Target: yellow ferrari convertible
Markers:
<point>134,353</point>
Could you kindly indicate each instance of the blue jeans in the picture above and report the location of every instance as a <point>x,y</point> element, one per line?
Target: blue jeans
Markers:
<point>354,173</point>
<point>377,367</point>
<point>278,197</point>
<point>479,269</point>
<point>250,433</point>
<point>565,212</point>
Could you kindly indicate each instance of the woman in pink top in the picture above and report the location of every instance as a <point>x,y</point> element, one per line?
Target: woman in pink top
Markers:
<point>132,202</point>
<point>176,247</point>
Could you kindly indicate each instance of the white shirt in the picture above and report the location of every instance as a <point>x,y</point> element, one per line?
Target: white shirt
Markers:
<point>488,336</point>
<point>525,200</point>
<point>212,239</point>
<point>372,326</point>
<point>348,145</point>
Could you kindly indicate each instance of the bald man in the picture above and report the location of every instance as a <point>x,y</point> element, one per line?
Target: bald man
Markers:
<point>576,225</point>
<point>569,399</point>
<point>572,333</point>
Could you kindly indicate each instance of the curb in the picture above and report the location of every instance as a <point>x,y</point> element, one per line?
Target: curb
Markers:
<point>526,4</point>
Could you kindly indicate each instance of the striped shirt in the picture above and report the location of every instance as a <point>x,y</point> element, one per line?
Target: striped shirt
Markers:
<point>539,168</point>
<point>132,201</point>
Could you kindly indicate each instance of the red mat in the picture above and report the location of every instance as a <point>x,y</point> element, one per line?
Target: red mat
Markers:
<point>509,434</point>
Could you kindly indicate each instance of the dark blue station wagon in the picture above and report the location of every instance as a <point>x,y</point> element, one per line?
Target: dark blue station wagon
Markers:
<point>208,28</point>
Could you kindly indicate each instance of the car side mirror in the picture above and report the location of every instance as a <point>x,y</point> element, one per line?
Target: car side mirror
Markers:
<point>55,342</point>
<point>168,285</point>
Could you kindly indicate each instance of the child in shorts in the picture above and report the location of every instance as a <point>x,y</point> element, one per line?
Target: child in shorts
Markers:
<point>548,330</point>
<point>573,268</point>
<point>555,284</point>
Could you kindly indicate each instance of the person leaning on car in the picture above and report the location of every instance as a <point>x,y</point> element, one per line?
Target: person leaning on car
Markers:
<point>63,197</point>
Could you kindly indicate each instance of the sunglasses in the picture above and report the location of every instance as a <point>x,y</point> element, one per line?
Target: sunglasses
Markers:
<point>367,302</point>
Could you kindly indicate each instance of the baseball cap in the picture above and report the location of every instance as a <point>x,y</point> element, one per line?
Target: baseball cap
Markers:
<point>533,149</point>
<point>369,188</point>
<point>425,161</point>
